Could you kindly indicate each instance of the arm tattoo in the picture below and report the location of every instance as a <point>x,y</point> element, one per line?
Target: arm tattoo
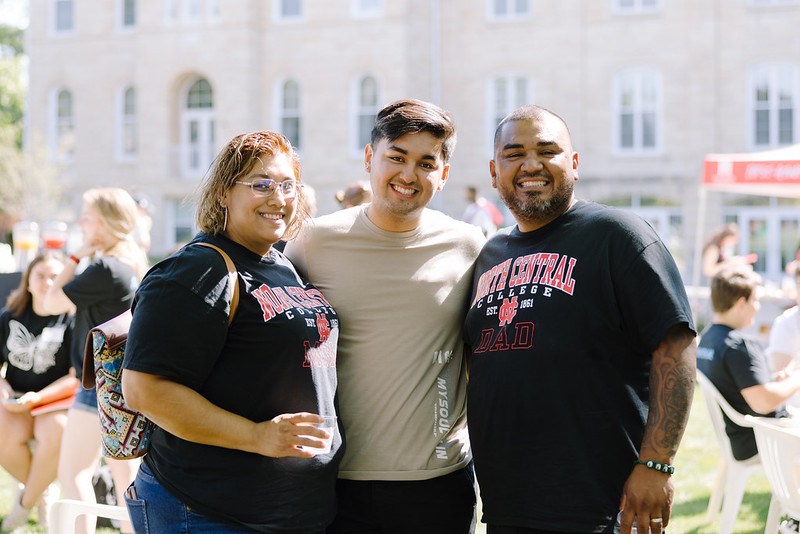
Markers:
<point>672,377</point>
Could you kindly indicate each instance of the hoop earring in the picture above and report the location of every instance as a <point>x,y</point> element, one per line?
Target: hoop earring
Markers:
<point>225,222</point>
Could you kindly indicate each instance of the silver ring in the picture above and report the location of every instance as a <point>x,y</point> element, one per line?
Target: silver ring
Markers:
<point>656,520</point>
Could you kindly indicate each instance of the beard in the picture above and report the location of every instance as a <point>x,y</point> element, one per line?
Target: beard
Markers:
<point>533,207</point>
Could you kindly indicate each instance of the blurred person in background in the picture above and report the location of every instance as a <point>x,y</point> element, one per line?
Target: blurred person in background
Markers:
<point>100,292</point>
<point>719,251</point>
<point>355,195</point>
<point>735,363</point>
<point>481,212</point>
<point>35,347</point>
<point>783,350</point>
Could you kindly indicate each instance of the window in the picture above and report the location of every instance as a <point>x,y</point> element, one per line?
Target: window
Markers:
<point>366,8</point>
<point>190,11</point>
<point>127,141</point>
<point>63,16</point>
<point>289,111</point>
<point>127,13</point>
<point>637,6</point>
<point>62,138</point>
<point>637,111</point>
<point>212,8</point>
<point>508,9</point>
<point>506,93</point>
<point>287,10</point>
<point>180,223</point>
<point>197,129</point>
<point>773,98</point>
<point>366,108</point>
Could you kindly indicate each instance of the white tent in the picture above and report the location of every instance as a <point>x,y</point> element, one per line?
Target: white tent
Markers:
<point>769,173</point>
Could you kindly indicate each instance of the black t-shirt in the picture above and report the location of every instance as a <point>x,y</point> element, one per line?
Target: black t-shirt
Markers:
<point>733,362</point>
<point>562,325</point>
<point>36,348</point>
<point>278,356</point>
<point>101,292</point>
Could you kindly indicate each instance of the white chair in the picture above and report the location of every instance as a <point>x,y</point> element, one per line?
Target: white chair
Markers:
<point>63,513</point>
<point>779,448</point>
<point>732,474</point>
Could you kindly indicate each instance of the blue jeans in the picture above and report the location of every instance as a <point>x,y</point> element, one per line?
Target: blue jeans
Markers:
<point>154,510</point>
<point>86,400</point>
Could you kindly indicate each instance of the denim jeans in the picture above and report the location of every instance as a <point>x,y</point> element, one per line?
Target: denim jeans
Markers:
<point>86,400</point>
<point>154,510</point>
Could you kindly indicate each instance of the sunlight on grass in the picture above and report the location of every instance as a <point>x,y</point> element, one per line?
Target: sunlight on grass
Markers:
<point>695,469</point>
<point>696,466</point>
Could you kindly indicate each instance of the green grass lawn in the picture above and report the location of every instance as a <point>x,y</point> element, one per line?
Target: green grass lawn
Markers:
<point>695,466</point>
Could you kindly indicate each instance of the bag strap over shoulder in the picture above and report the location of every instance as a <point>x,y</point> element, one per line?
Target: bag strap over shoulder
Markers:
<point>233,277</point>
<point>116,330</point>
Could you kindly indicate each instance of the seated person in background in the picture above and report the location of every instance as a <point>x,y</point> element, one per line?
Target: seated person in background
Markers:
<point>735,364</point>
<point>35,346</point>
<point>784,336</point>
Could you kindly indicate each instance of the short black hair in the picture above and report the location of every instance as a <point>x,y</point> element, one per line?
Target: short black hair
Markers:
<point>414,116</point>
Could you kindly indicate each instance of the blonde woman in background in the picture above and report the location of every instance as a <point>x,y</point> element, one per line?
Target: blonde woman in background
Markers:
<point>101,291</point>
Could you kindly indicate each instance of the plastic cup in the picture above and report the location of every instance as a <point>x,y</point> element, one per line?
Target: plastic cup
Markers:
<point>329,426</point>
<point>54,235</point>
<point>25,236</point>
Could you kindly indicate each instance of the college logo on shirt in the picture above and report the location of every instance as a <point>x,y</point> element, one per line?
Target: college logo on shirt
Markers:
<point>524,273</point>
<point>512,285</point>
<point>323,327</point>
<point>508,310</point>
<point>288,300</point>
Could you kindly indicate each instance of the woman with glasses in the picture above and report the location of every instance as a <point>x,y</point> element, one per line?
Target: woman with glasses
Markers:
<point>235,448</point>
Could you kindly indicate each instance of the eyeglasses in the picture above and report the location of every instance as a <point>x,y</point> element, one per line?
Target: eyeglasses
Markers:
<point>266,187</point>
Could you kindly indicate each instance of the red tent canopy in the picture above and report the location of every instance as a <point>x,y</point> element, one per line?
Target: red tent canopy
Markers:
<point>771,173</point>
<point>768,173</point>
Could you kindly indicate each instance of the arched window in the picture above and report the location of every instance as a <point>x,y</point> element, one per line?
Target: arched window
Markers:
<point>63,133</point>
<point>290,112</point>
<point>367,98</point>
<point>197,128</point>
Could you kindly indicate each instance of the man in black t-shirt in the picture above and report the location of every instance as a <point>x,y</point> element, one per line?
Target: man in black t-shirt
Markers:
<point>735,364</point>
<point>583,353</point>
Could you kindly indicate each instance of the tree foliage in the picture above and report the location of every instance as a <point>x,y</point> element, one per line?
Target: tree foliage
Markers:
<point>12,84</point>
<point>28,186</point>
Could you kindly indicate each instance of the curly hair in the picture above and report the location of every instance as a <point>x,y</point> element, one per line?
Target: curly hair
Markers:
<point>233,163</point>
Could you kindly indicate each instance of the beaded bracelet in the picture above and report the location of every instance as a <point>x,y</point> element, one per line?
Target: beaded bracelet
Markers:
<point>658,466</point>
